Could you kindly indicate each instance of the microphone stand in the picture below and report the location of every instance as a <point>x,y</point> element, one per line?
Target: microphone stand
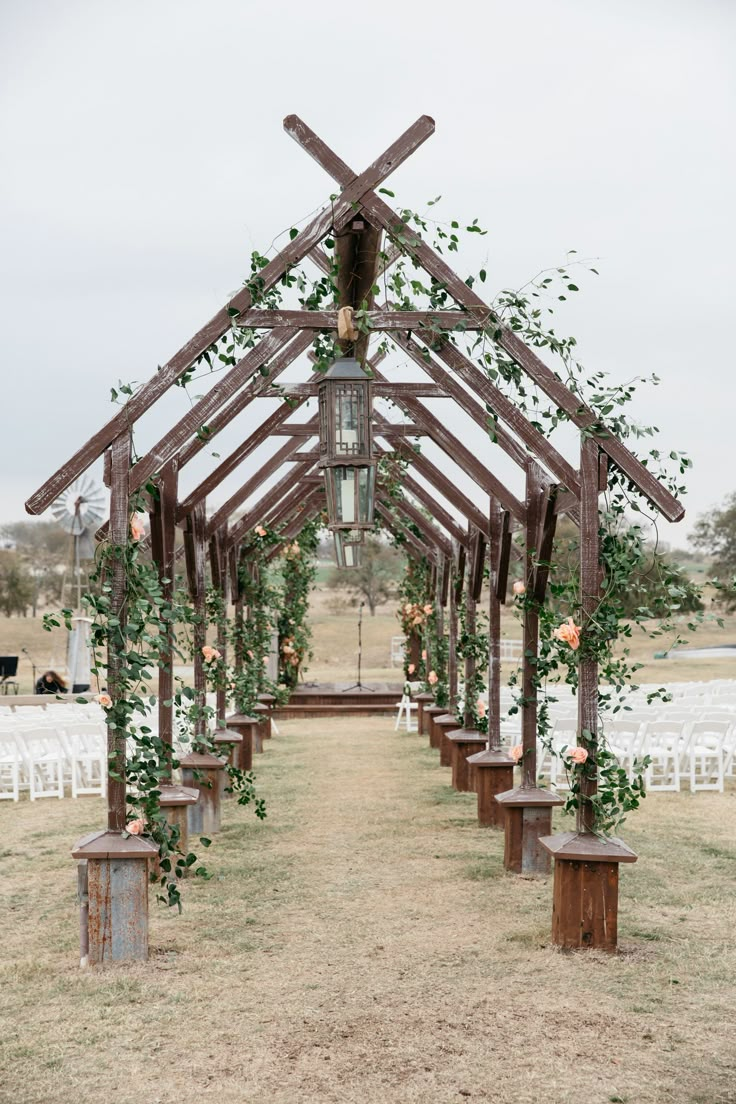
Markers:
<point>33,667</point>
<point>359,685</point>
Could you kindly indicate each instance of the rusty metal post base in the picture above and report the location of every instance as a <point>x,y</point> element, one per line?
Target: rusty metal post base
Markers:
<point>430,712</point>
<point>444,724</point>
<point>227,741</point>
<point>117,888</point>
<point>263,712</point>
<point>421,700</point>
<point>175,800</point>
<point>492,772</point>
<point>585,893</point>
<point>201,771</point>
<point>463,742</point>
<point>528,818</point>
<point>248,727</point>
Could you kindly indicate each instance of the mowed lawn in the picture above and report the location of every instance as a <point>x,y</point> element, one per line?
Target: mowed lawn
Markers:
<point>365,945</point>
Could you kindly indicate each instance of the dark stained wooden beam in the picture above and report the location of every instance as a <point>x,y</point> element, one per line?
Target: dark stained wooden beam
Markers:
<point>262,509</point>
<point>395,526</point>
<point>580,414</point>
<point>385,389</point>
<point>296,250</point>
<point>423,523</point>
<point>444,486</point>
<point>436,322</point>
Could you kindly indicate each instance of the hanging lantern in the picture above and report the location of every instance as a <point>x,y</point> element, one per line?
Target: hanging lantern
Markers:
<point>346,445</point>
<point>348,546</point>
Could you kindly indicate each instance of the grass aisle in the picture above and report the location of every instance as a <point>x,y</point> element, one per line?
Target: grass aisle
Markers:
<point>365,945</point>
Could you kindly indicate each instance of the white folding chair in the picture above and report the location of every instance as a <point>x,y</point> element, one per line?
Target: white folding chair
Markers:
<point>10,763</point>
<point>662,742</point>
<point>42,751</point>
<point>404,710</point>
<point>707,740</point>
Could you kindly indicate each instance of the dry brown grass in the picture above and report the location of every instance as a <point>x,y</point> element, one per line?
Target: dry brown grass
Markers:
<point>365,945</point>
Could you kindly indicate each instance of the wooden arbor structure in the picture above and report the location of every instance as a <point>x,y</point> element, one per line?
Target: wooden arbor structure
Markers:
<point>356,220</point>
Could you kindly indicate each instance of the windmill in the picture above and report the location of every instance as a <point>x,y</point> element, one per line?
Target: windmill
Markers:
<point>77,511</point>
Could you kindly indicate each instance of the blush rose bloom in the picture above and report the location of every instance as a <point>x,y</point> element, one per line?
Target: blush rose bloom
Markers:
<point>578,755</point>
<point>104,700</point>
<point>569,633</point>
<point>428,608</point>
<point>136,528</point>
<point>136,827</point>
<point>411,668</point>
<point>519,587</point>
<point>260,531</point>
<point>424,654</point>
<point>480,707</point>
<point>210,653</point>
<point>432,678</point>
<point>517,752</point>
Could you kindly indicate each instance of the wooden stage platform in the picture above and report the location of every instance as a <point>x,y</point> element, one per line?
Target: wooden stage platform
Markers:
<point>339,699</point>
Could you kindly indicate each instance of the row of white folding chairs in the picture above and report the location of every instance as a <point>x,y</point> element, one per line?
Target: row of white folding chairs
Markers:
<point>701,748</point>
<point>43,759</point>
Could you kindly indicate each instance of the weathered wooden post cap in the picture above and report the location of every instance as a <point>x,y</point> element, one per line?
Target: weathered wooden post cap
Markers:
<point>446,722</point>
<point>464,741</point>
<point>117,874</point>
<point>491,772</point>
<point>177,795</point>
<point>228,742</point>
<point>263,712</point>
<point>585,893</point>
<point>201,770</point>
<point>528,818</point>
<point>430,713</point>
<point>422,699</point>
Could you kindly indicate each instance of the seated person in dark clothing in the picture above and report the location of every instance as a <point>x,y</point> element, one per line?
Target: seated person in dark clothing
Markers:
<point>51,683</point>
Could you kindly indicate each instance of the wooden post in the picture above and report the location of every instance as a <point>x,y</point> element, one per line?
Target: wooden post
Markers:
<point>174,799</point>
<point>492,767</point>
<point>117,866</point>
<point>220,580</point>
<point>452,637</point>
<point>585,905</point>
<point>529,808</point>
<point>194,548</point>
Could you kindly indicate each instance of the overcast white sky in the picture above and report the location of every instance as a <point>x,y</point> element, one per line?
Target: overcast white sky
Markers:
<point>144,157</point>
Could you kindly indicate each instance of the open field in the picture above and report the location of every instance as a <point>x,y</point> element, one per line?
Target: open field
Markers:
<point>365,945</point>
<point>335,643</point>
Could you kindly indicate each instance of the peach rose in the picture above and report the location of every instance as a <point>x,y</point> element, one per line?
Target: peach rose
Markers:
<point>480,707</point>
<point>210,653</point>
<point>432,678</point>
<point>519,587</point>
<point>136,528</point>
<point>136,827</point>
<point>265,661</point>
<point>104,700</point>
<point>424,654</point>
<point>569,633</point>
<point>411,668</point>
<point>517,752</point>
<point>260,531</point>
<point>578,755</point>
<point>249,654</point>
<point>428,608</point>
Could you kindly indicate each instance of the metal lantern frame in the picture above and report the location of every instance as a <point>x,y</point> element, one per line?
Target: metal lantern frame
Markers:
<point>346,445</point>
<point>348,547</point>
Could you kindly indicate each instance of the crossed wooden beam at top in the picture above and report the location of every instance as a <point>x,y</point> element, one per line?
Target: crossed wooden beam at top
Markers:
<point>442,360</point>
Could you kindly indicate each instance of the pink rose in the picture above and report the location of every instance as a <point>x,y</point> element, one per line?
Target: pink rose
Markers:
<point>136,528</point>
<point>428,608</point>
<point>104,700</point>
<point>578,755</point>
<point>210,653</point>
<point>432,678</point>
<point>517,752</point>
<point>260,531</point>
<point>424,655</point>
<point>136,827</point>
<point>569,633</point>
<point>480,707</point>
<point>411,668</point>
<point>519,587</point>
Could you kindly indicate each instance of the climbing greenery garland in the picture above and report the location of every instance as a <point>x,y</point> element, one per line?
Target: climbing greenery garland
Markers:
<point>298,571</point>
